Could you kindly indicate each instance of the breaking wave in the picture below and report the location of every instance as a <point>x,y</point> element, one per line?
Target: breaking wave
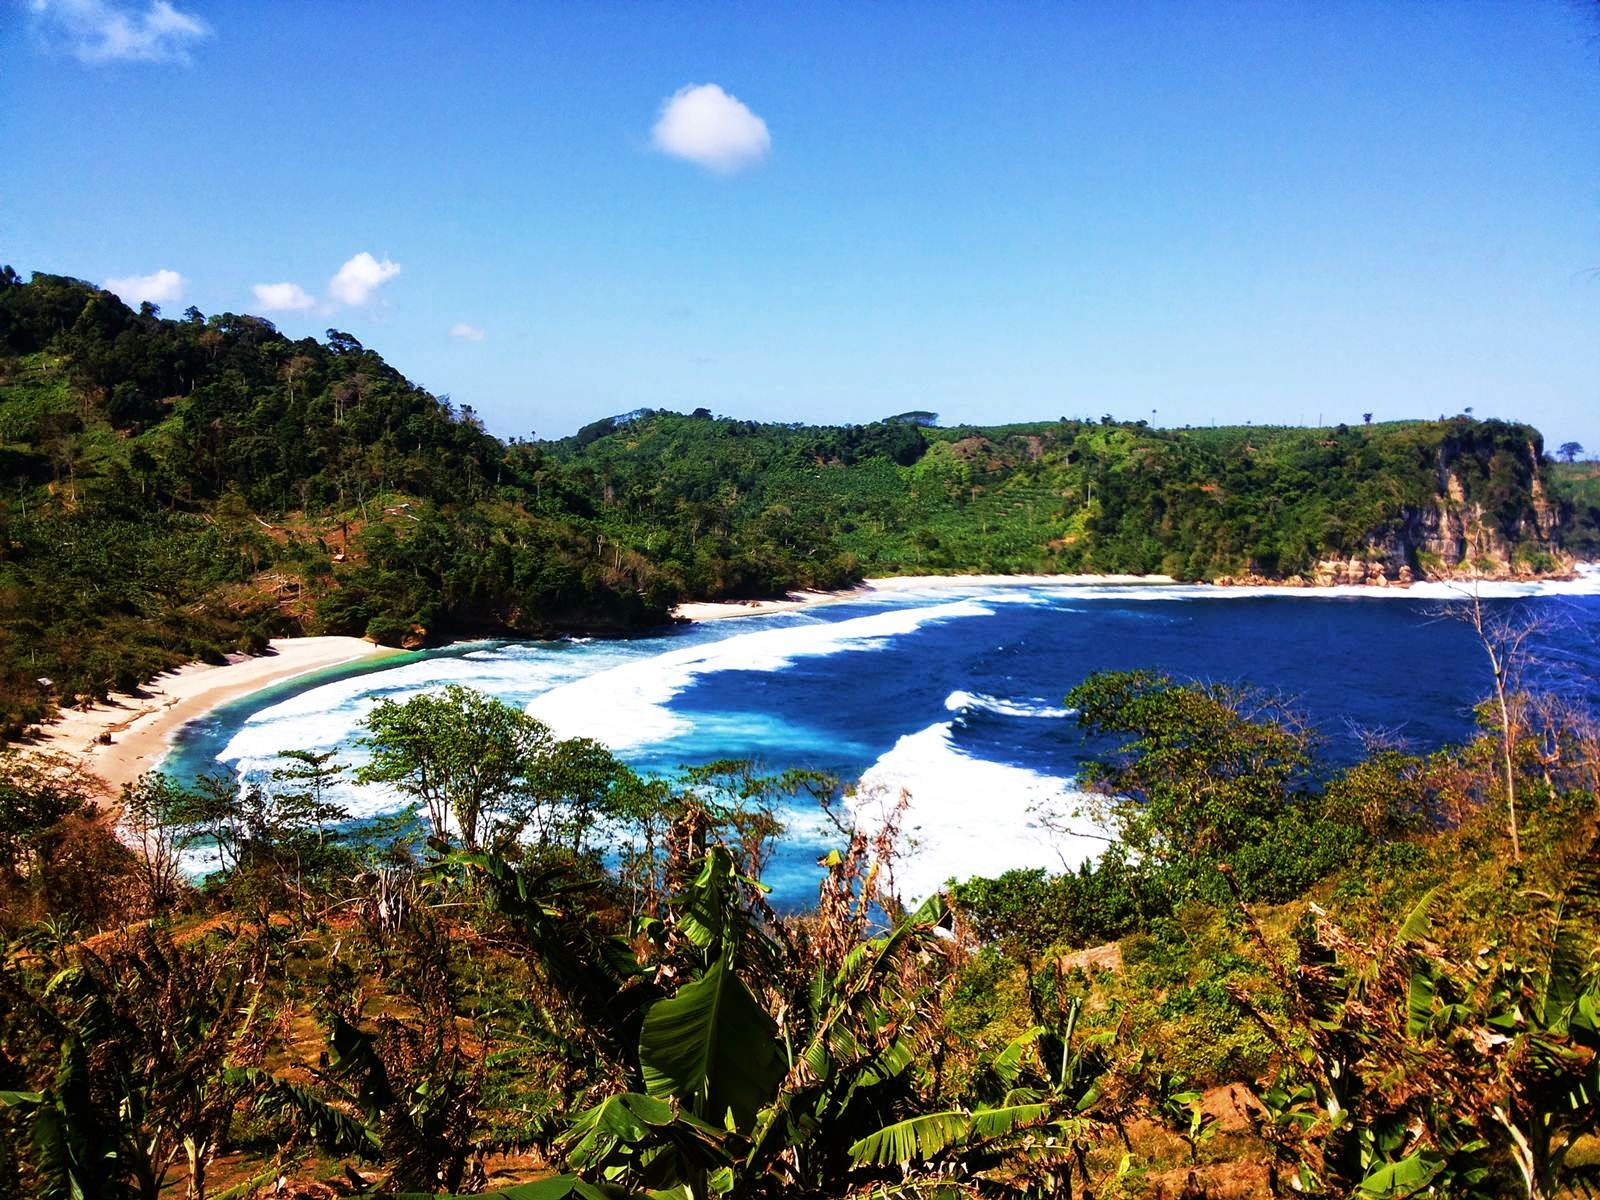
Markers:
<point>966,702</point>
<point>627,706</point>
<point>967,816</point>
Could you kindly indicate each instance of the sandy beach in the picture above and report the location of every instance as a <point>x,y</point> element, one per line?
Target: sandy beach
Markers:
<point>140,727</point>
<point>718,610</point>
<point>902,583</point>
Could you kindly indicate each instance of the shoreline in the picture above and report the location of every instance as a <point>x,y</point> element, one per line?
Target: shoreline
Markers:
<point>138,729</point>
<point>796,601</point>
<point>721,610</point>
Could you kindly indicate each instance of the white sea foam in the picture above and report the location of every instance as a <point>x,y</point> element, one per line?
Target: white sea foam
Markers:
<point>966,816</point>
<point>324,716</point>
<point>959,702</point>
<point>331,715</point>
<point>627,705</point>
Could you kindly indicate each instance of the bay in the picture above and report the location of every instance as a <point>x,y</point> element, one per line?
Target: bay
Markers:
<point>949,695</point>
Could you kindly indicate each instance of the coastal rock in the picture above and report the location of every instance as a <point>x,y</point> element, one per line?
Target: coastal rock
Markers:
<point>1454,536</point>
<point>1358,572</point>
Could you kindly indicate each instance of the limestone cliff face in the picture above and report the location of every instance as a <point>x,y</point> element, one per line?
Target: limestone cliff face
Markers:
<point>1475,507</point>
<point>1491,520</point>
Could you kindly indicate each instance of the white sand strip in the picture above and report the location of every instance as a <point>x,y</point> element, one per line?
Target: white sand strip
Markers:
<point>140,727</point>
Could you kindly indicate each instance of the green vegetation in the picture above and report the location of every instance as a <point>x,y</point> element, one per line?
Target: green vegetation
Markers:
<point>490,774</point>
<point>180,489</point>
<point>1316,984</point>
<point>1577,484</point>
<point>801,504</point>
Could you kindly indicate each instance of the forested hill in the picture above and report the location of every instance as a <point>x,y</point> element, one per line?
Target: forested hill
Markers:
<point>178,488</point>
<point>1369,503</point>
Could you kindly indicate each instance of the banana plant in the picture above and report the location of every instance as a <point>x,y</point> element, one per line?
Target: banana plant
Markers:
<point>1025,1142</point>
<point>1547,1023</point>
<point>729,1087</point>
<point>1406,1073</point>
<point>149,1036</point>
<point>551,905</point>
<point>848,1051</point>
<point>1176,1103</point>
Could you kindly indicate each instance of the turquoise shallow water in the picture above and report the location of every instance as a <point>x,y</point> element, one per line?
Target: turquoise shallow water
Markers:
<point>953,697</point>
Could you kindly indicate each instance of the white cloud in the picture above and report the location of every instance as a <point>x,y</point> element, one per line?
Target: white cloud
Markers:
<point>359,279</point>
<point>463,332</point>
<point>283,297</point>
<point>705,125</point>
<point>99,31</point>
<point>161,287</point>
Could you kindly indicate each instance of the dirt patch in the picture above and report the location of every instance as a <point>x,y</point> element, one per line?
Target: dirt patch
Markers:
<point>1097,958</point>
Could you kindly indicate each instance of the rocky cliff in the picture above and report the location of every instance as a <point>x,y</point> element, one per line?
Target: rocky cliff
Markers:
<point>1489,520</point>
<point>1490,516</point>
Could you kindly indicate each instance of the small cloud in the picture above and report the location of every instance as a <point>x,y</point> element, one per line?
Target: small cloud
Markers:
<point>463,332</point>
<point>161,287</point>
<point>359,279</point>
<point>283,297</point>
<point>98,31</point>
<point>705,125</point>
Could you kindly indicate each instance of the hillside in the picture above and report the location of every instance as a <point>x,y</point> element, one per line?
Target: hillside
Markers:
<point>180,488</point>
<point>1385,502</point>
<point>1576,487</point>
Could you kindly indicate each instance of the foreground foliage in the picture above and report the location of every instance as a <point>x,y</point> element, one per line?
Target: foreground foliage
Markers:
<point>1418,1018</point>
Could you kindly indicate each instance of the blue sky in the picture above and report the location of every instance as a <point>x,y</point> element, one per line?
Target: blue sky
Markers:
<point>999,211</point>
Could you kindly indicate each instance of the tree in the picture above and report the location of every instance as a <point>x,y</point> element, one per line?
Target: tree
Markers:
<point>37,793</point>
<point>574,785</point>
<point>1204,774</point>
<point>1506,644</point>
<point>309,804</point>
<point>213,813</point>
<point>486,771</point>
<point>1204,760</point>
<point>1366,418</point>
<point>1569,451</point>
<point>158,813</point>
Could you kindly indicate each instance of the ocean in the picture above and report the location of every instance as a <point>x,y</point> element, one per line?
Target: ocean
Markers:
<point>951,695</point>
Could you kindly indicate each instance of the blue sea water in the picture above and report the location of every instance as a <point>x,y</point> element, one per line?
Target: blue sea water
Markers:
<point>952,697</point>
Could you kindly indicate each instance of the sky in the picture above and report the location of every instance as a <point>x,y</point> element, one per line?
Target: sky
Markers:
<point>1186,213</point>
